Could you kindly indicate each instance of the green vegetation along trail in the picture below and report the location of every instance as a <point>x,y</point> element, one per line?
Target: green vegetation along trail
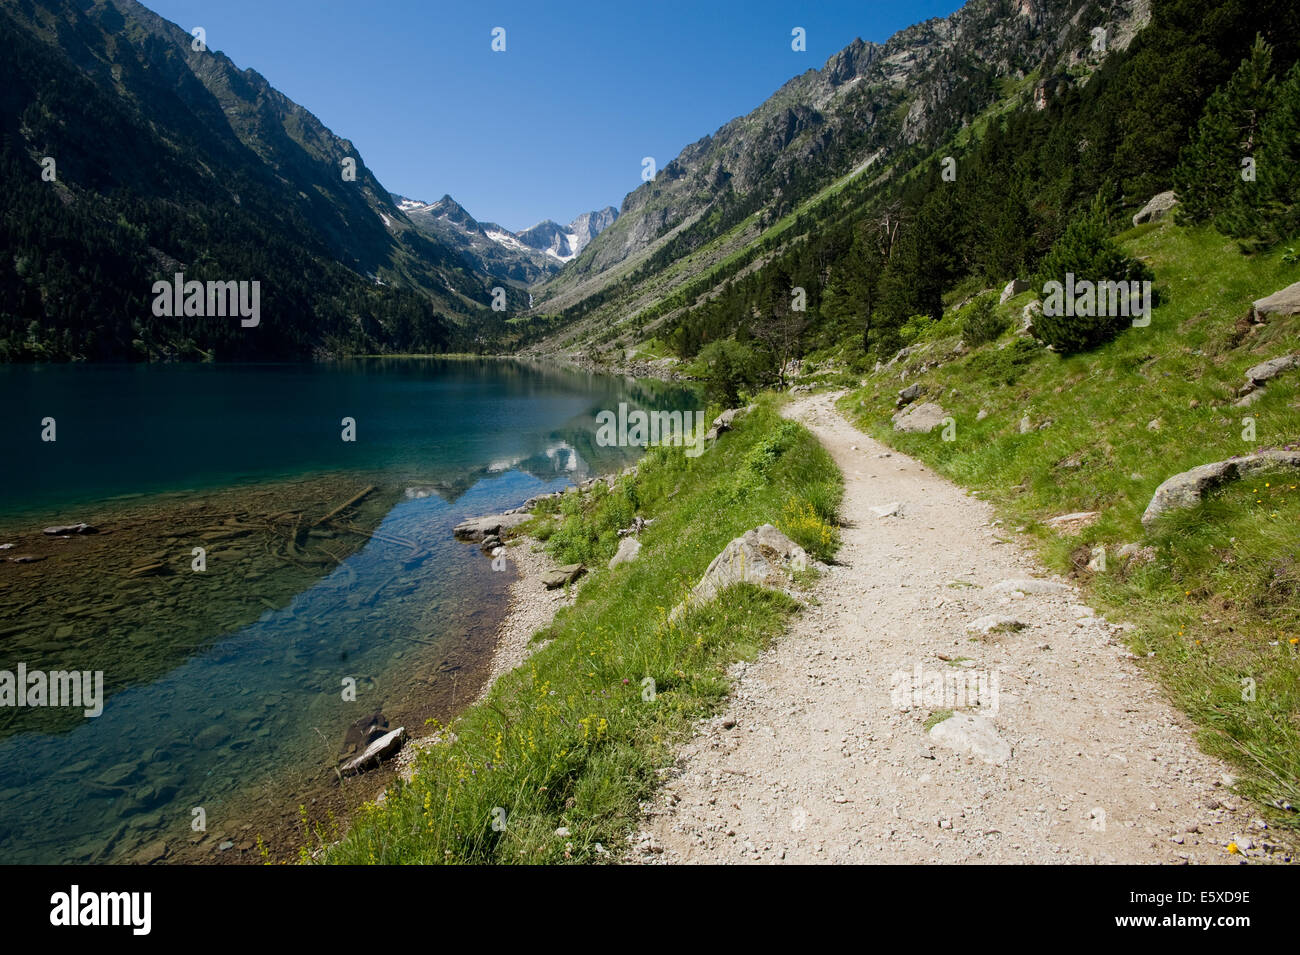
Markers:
<point>823,755</point>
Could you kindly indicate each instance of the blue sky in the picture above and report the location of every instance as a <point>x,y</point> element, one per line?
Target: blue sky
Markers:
<point>558,123</point>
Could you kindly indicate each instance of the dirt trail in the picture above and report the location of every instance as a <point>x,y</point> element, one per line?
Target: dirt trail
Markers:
<point>816,761</point>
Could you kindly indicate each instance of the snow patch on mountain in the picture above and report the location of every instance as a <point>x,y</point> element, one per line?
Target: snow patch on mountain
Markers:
<point>573,243</point>
<point>507,239</point>
<point>526,255</point>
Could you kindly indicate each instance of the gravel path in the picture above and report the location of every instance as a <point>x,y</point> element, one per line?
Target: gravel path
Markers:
<point>816,760</point>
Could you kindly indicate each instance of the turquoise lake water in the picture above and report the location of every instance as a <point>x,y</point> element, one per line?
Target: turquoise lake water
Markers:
<point>441,440</point>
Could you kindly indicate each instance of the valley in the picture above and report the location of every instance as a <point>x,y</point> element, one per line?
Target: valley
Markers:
<point>965,354</point>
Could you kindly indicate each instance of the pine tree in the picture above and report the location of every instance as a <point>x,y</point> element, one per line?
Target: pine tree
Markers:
<point>1209,175</point>
<point>1086,251</point>
<point>850,296</point>
<point>1279,165</point>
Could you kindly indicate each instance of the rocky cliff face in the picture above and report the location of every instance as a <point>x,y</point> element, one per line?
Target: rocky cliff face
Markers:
<point>591,224</point>
<point>564,243</point>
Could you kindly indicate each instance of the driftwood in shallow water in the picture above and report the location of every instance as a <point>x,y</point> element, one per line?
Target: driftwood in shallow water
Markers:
<point>355,499</point>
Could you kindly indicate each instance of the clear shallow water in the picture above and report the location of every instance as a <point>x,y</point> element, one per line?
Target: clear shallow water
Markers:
<point>445,440</point>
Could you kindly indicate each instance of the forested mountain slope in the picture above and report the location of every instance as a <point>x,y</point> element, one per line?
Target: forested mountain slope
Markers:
<point>165,157</point>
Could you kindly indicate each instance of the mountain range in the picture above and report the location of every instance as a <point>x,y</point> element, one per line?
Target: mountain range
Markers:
<point>525,257</point>
<point>172,159</point>
<point>165,157</point>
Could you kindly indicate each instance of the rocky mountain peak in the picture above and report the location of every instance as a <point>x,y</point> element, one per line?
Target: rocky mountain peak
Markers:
<point>850,62</point>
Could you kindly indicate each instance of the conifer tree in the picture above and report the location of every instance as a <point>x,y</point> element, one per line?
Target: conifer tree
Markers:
<point>1086,251</point>
<point>1209,175</point>
<point>1278,215</point>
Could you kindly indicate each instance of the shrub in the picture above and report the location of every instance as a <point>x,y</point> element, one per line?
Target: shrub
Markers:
<point>915,327</point>
<point>803,523</point>
<point>760,458</point>
<point>1005,366</point>
<point>588,533</point>
<point>825,500</point>
<point>1088,252</point>
<point>981,322</point>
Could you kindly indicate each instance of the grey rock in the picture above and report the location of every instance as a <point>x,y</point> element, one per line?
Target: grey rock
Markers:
<point>972,735</point>
<point>1188,488</point>
<point>477,528</point>
<point>628,549</point>
<point>724,422</point>
<point>1027,315</point>
<point>763,556</point>
<point>909,394</point>
<point>1268,370</point>
<point>1156,208</point>
<point>71,529</point>
<point>919,419</point>
<point>1073,522</point>
<point>1013,288</point>
<point>554,579</point>
<point>381,749</point>
<point>1281,303</point>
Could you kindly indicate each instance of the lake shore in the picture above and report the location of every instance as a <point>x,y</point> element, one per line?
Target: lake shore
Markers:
<point>276,832</point>
<point>529,608</point>
<point>553,766</point>
<point>232,574</point>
